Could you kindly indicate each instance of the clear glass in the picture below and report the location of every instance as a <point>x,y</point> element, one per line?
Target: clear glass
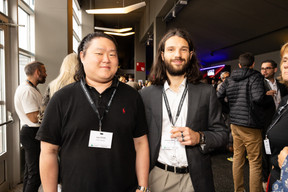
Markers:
<point>77,28</point>
<point>23,31</point>
<point>75,44</point>
<point>3,146</point>
<point>23,60</point>
<point>77,10</point>
<point>30,3</point>
<point>3,7</point>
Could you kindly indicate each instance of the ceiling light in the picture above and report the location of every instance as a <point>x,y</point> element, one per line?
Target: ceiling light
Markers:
<point>113,30</point>
<point>123,10</point>
<point>119,34</point>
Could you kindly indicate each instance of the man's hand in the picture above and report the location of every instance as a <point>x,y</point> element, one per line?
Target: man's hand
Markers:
<point>186,136</point>
<point>282,156</point>
<point>271,92</point>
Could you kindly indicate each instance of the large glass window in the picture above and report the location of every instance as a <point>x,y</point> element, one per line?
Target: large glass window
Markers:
<point>26,35</point>
<point>2,95</point>
<point>23,60</point>
<point>77,29</point>
<point>30,3</point>
<point>3,7</point>
<point>24,42</point>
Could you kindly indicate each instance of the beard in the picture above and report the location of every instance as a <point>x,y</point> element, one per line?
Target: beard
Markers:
<point>41,79</point>
<point>176,72</point>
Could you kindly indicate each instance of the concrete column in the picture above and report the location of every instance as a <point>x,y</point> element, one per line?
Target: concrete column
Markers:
<point>140,56</point>
<point>51,36</point>
<point>11,76</point>
<point>159,29</point>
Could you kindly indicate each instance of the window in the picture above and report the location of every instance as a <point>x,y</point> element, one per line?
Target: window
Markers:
<point>30,3</point>
<point>77,29</point>
<point>23,60</point>
<point>2,95</point>
<point>3,7</point>
<point>26,35</point>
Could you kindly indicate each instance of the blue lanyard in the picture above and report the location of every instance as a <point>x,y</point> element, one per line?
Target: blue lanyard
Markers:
<point>84,88</point>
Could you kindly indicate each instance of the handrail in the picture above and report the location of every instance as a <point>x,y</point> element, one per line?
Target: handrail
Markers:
<point>5,123</point>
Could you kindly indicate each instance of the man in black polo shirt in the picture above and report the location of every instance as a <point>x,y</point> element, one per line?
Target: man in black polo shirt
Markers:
<point>97,126</point>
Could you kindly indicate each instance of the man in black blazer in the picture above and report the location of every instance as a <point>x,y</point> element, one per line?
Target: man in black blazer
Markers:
<point>274,91</point>
<point>184,119</point>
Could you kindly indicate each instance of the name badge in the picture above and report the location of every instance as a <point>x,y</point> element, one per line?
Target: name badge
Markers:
<point>267,146</point>
<point>100,139</point>
<point>167,142</point>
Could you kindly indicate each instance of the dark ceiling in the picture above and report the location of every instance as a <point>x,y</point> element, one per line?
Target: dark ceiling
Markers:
<point>221,29</point>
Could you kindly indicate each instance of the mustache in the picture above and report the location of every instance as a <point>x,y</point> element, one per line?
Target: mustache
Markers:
<point>178,59</point>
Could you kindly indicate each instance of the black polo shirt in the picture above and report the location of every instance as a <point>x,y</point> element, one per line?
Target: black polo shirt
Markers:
<point>67,122</point>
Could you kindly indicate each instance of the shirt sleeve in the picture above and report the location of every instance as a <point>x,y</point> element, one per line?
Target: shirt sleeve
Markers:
<point>30,101</point>
<point>50,129</point>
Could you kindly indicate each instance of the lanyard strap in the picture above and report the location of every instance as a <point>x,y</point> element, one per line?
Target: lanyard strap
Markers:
<point>32,85</point>
<point>179,106</point>
<point>280,112</point>
<point>85,90</point>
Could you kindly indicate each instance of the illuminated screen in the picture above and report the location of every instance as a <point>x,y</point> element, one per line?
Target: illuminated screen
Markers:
<point>210,72</point>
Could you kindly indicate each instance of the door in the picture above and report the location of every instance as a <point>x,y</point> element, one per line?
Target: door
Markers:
<point>5,118</point>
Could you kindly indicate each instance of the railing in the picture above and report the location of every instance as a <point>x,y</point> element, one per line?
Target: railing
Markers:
<point>5,123</point>
<point>10,119</point>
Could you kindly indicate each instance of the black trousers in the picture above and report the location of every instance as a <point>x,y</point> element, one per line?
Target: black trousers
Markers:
<point>31,179</point>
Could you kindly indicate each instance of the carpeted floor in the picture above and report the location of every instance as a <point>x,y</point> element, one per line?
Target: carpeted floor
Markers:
<point>222,171</point>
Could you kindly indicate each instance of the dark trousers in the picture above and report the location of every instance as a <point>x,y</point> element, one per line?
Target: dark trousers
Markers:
<point>266,162</point>
<point>31,179</point>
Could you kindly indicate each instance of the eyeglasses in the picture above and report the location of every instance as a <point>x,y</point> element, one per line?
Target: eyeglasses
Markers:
<point>266,68</point>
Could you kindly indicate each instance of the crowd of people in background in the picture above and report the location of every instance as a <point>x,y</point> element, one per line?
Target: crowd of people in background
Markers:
<point>100,131</point>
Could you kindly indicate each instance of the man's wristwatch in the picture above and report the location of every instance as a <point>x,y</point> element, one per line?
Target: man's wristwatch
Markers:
<point>144,189</point>
<point>202,138</point>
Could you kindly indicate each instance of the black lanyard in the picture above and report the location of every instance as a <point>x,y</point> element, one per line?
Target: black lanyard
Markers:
<point>179,106</point>
<point>32,85</point>
<point>281,111</point>
<point>93,104</point>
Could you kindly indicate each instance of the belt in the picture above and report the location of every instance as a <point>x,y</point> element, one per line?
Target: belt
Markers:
<point>180,170</point>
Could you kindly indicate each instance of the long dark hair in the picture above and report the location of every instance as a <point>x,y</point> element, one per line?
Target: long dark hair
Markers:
<point>158,74</point>
<point>83,46</point>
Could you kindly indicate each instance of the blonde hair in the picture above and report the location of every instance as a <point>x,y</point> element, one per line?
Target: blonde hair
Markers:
<point>284,49</point>
<point>66,76</point>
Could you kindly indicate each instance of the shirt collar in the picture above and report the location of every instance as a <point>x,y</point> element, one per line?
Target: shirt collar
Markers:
<point>113,85</point>
<point>270,81</point>
<point>183,84</point>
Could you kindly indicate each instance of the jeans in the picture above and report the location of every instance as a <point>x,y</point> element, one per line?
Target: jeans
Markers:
<point>31,179</point>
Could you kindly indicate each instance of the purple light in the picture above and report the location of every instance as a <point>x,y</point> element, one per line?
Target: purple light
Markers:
<point>213,67</point>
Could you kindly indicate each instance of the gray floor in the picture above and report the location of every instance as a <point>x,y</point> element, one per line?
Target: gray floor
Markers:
<point>222,170</point>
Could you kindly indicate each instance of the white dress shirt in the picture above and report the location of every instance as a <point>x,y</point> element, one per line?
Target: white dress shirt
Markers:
<point>171,151</point>
<point>277,96</point>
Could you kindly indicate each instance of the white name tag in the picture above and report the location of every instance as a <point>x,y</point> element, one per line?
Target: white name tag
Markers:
<point>267,146</point>
<point>100,139</point>
<point>167,142</point>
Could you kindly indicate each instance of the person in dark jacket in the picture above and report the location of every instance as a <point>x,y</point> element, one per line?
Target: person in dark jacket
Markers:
<point>245,93</point>
<point>274,93</point>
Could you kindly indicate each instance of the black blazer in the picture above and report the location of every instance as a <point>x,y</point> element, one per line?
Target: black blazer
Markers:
<point>204,114</point>
<point>269,102</point>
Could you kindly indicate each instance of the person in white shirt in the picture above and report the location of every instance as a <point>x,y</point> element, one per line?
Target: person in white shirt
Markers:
<point>27,101</point>
<point>184,119</point>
